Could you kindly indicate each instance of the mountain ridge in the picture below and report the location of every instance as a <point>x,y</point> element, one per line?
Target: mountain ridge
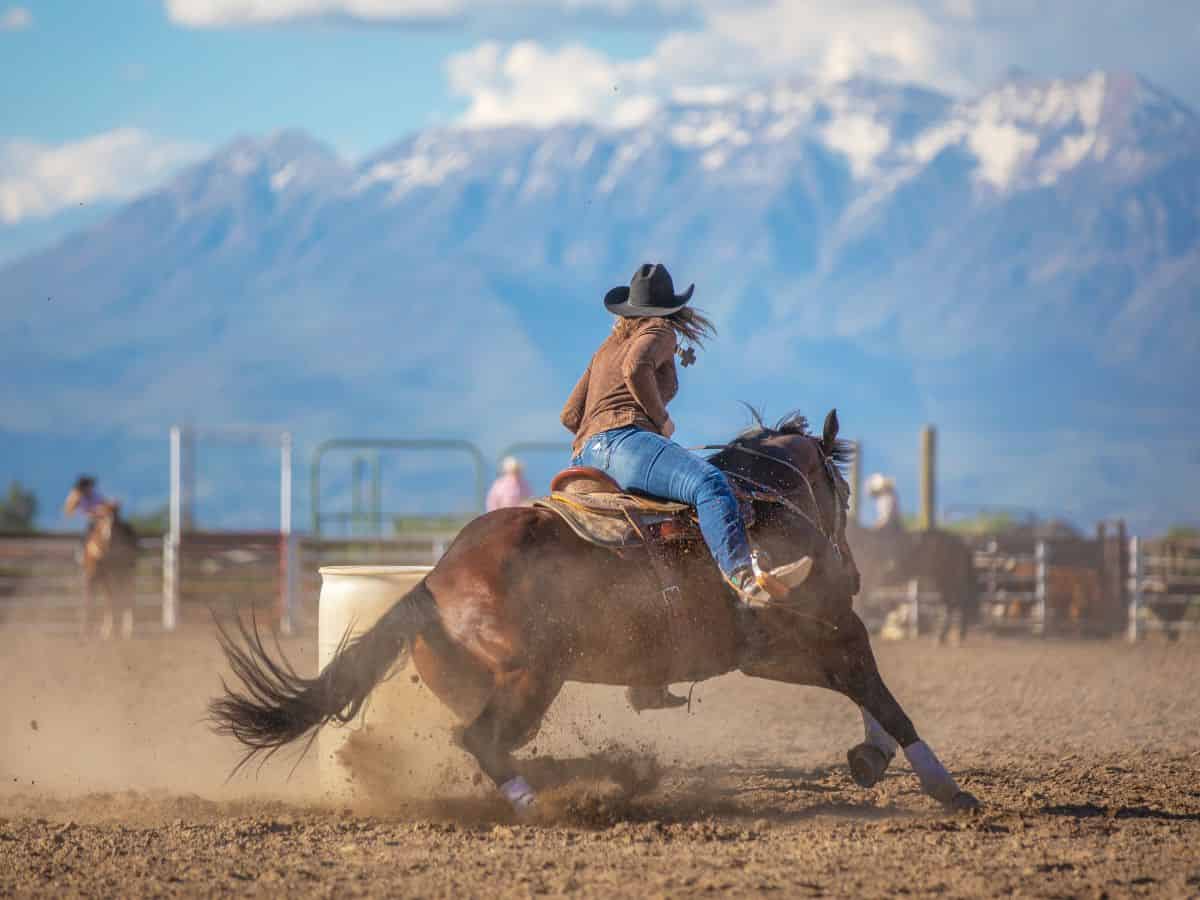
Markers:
<point>1033,251</point>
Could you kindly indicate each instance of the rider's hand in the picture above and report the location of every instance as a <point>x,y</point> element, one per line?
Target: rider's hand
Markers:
<point>668,427</point>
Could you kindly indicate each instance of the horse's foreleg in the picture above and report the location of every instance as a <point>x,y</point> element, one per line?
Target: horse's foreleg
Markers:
<point>856,674</point>
<point>843,662</point>
<point>870,759</point>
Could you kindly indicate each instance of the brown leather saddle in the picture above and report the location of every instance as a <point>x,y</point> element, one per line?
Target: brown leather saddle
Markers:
<point>599,511</point>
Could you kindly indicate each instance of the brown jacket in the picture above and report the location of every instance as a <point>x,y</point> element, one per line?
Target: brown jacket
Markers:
<point>628,382</point>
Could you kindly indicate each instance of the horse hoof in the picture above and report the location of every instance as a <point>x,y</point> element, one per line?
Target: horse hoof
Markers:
<point>520,795</point>
<point>867,764</point>
<point>964,801</point>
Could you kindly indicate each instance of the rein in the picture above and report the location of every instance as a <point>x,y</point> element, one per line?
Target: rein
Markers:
<point>776,495</point>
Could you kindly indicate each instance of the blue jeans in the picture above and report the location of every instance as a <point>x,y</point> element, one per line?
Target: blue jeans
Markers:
<point>643,461</point>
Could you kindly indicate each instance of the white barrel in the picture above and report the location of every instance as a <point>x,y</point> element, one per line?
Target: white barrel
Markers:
<point>401,746</point>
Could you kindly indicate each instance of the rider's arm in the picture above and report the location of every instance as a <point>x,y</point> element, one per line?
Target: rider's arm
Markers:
<point>572,412</point>
<point>651,349</point>
<point>72,502</point>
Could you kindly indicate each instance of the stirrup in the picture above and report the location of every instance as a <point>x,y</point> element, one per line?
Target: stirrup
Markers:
<point>788,576</point>
<point>761,584</point>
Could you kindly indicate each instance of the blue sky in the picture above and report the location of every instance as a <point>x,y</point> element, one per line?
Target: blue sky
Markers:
<point>78,69</point>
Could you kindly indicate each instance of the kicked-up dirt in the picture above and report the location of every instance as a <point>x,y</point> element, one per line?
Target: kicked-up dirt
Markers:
<point>1086,757</point>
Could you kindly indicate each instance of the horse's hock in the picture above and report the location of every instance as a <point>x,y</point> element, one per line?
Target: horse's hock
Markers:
<point>401,745</point>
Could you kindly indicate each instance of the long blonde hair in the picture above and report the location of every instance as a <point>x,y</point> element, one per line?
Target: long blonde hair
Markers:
<point>689,324</point>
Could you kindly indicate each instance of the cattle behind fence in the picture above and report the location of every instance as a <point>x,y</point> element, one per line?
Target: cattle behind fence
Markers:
<point>1164,586</point>
<point>1052,586</point>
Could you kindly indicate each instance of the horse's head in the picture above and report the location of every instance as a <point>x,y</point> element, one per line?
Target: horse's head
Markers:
<point>801,499</point>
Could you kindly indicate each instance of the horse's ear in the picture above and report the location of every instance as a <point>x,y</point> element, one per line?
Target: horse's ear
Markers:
<point>830,432</point>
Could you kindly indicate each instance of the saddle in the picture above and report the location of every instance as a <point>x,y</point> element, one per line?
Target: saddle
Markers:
<point>601,513</point>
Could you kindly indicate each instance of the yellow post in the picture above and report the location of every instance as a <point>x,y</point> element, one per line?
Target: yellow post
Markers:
<point>928,520</point>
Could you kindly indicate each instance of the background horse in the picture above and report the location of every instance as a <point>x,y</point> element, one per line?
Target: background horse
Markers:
<point>519,604</point>
<point>109,560</point>
<point>893,558</point>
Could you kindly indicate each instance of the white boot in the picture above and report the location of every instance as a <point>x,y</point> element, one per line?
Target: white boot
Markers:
<point>760,584</point>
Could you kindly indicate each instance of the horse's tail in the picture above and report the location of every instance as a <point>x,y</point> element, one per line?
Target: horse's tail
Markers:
<point>278,706</point>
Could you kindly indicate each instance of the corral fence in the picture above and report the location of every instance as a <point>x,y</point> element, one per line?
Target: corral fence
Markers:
<point>1108,585</point>
<point>181,584</point>
<point>1069,586</point>
<point>1164,586</point>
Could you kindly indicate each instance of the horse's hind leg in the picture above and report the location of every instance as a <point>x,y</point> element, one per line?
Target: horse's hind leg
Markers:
<point>512,714</point>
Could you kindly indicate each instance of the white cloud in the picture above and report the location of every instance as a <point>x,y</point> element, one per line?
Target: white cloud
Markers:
<point>39,179</point>
<point>954,46</point>
<point>530,84</point>
<point>218,13</point>
<point>738,46</point>
<point>16,18</point>
<point>225,13</point>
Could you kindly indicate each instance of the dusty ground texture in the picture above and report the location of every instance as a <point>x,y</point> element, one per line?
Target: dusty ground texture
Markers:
<point>1086,757</point>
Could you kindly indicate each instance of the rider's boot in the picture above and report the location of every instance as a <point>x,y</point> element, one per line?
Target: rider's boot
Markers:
<point>760,583</point>
<point>654,696</point>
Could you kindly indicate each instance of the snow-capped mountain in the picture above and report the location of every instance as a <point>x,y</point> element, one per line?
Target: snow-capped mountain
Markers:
<point>1021,267</point>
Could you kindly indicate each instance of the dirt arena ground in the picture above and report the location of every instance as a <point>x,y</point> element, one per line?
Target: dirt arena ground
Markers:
<point>1086,757</point>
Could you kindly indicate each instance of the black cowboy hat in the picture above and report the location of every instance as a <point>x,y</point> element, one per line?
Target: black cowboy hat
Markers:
<point>650,293</point>
<point>83,482</point>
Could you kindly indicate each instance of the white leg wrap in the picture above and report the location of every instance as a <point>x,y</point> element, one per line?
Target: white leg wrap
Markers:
<point>876,736</point>
<point>935,780</point>
<point>519,793</point>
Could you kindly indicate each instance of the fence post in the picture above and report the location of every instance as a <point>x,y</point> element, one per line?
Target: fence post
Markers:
<point>1135,588</point>
<point>1039,586</point>
<point>170,546</point>
<point>914,603</point>
<point>289,547</point>
<point>170,583</point>
<point>287,544</point>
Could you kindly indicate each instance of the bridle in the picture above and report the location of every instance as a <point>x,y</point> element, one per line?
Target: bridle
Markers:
<point>778,496</point>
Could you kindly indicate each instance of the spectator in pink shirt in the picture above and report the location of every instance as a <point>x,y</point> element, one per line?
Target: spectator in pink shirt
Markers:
<point>511,488</point>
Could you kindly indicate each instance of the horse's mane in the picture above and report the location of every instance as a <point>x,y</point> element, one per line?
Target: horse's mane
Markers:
<point>792,423</point>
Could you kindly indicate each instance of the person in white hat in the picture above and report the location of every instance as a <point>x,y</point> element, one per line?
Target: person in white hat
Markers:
<point>887,504</point>
<point>510,488</point>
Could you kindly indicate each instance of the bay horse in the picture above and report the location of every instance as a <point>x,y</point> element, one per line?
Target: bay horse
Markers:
<point>891,558</point>
<point>519,604</point>
<point>109,560</point>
